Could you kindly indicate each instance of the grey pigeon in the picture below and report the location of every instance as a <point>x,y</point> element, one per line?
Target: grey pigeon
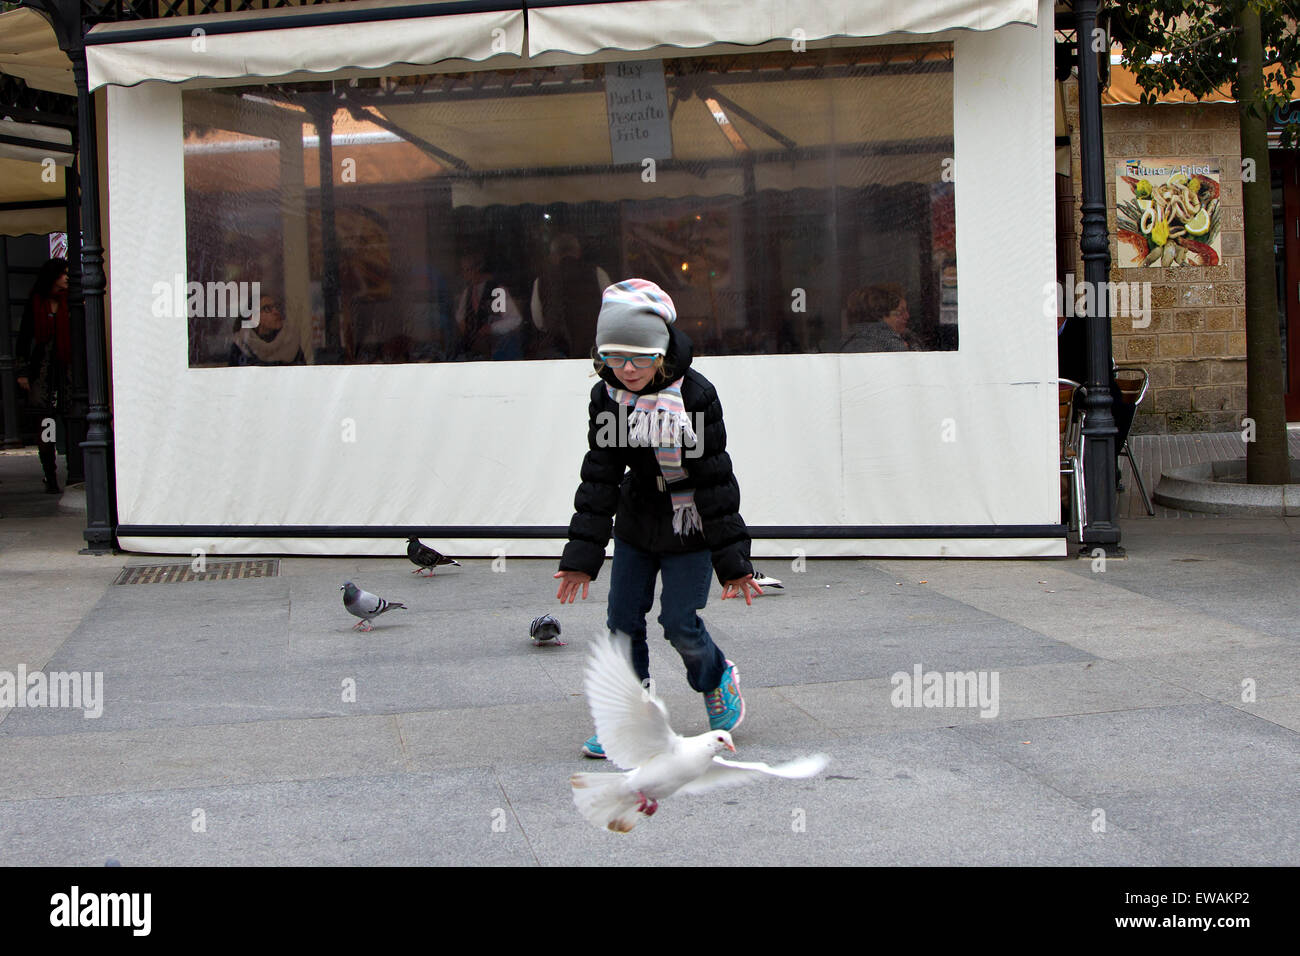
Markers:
<point>763,581</point>
<point>425,557</point>
<point>365,605</point>
<point>545,629</point>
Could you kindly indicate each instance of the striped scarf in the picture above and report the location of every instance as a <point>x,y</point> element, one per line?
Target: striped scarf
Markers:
<point>659,420</point>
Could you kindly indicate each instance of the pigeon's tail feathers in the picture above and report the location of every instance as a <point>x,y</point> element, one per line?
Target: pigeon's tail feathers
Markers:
<point>604,800</point>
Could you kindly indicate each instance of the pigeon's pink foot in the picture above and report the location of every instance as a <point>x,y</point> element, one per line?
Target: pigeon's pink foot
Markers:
<point>365,626</point>
<point>646,805</point>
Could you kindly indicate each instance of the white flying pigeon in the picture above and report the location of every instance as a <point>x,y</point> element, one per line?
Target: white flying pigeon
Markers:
<point>632,725</point>
<point>365,605</point>
<point>426,558</point>
<point>766,581</point>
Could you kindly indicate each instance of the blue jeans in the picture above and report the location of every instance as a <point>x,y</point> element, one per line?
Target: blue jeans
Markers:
<point>687,578</point>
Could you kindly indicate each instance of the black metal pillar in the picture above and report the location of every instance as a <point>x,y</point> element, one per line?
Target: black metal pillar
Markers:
<point>1099,451</point>
<point>101,507</point>
<point>74,415</point>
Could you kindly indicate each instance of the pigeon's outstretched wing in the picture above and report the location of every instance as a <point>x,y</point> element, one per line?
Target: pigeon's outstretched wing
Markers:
<point>735,773</point>
<point>631,722</point>
<point>766,580</point>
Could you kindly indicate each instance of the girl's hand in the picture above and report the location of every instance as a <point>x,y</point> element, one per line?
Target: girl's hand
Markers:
<point>572,580</point>
<point>24,384</point>
<point>745,586</point>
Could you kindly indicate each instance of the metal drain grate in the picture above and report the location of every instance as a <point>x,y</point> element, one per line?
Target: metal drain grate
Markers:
<point>213,571</point>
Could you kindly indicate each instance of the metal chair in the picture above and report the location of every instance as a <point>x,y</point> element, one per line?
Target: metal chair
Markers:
<point>1133,391</point>
<point>1070,412</point>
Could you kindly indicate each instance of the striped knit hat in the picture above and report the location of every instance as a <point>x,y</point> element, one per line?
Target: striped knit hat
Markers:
<point>634,318</point>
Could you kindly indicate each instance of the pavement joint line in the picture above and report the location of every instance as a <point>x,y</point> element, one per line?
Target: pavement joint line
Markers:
<point>1241,707</point>
<point>496,775</point>
<point>401,741</point>
<point>776,689</point>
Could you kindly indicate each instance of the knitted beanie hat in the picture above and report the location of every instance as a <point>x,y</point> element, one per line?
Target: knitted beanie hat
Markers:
<point>634,318</point>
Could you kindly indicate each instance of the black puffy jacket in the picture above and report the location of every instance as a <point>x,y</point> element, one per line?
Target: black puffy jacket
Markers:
<point>622,486</point>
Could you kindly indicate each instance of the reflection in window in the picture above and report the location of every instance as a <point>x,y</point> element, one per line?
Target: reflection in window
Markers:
<point>789,203</point>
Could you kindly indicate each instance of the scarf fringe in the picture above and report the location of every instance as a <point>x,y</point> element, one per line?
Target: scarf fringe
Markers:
<point>660,427</point>
<point>686,519</point>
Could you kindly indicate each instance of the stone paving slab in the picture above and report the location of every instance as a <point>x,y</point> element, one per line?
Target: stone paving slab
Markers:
<point>1043,690</point>
<point>163,758</point>
<point>390,820</point>
<point>1091,614</point>
<point>1155,748</point>
<point>1232,823</point>
<point>1272,671</point>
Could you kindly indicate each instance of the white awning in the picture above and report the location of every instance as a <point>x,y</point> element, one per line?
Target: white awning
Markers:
<point>321,39</point>
<point>645,24</point>
<point>33,161</point>
<point>35,143</point>
<point>30,50</point>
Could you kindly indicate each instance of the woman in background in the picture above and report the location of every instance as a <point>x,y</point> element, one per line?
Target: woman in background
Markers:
<point>45,351</point>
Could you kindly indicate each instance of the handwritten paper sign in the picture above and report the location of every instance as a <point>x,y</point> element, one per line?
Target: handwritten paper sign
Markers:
<point>636,99</point>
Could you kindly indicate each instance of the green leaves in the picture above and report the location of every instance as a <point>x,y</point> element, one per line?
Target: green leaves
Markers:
<point>1192,44</point>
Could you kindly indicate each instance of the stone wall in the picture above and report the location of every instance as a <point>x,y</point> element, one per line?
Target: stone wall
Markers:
<point>1195,346</point>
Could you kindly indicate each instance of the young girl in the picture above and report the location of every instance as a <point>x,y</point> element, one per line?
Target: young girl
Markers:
<point>678,511</point>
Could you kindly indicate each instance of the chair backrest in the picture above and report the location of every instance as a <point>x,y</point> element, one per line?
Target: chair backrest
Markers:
<point>1069,396</point>
<point>1132,382</point>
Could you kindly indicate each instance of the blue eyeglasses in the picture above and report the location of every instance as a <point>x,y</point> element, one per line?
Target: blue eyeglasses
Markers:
<point>638,361</point>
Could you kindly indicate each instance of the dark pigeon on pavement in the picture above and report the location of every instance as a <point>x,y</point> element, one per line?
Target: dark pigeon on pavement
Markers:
<point>545,630</point>
<point>425,558</point>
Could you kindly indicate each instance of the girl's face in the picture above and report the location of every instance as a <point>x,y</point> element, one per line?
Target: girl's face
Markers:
<point>633,378</point>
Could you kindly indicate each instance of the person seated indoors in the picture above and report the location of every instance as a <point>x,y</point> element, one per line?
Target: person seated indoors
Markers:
<point>271,342</point>
<point>878,319</point>
<point>488,322</point>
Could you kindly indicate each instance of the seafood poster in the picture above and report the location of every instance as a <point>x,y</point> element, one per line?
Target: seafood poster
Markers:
<point>1167,213</point>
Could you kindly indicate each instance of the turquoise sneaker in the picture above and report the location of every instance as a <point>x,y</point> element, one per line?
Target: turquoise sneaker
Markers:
<point>592,748</point>
<point>725,705</point>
